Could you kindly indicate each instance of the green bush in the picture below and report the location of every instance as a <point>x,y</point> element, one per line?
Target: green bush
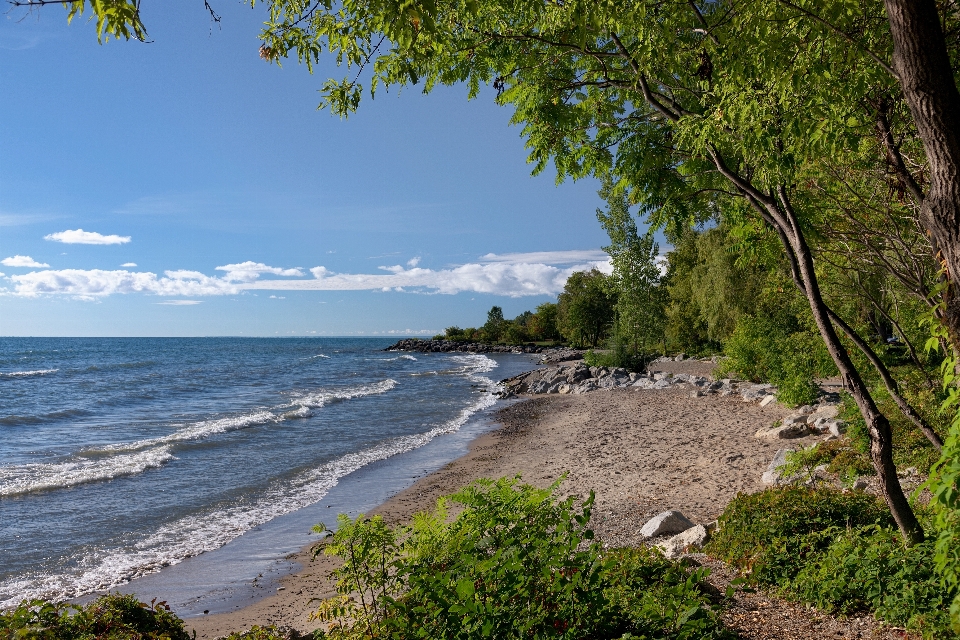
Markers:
<point>769,533</point>
<point>764,349</point>
<point>869,569</point>
<point>836,550</point>
<point>515,563</point>
<point>110,617</point>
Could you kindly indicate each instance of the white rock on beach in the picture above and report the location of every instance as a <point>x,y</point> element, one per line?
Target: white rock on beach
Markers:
<point>690,540</point>
<point>665,523</point>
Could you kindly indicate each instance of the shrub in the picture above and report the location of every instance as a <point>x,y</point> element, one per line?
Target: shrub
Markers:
<point>110,617</point>
<point>765,350</point>
<point>516,563</point>
<point>768,532</point>
<point>836,550</point>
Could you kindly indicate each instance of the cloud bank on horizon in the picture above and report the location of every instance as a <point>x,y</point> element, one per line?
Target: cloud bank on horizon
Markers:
<point>513,275</point>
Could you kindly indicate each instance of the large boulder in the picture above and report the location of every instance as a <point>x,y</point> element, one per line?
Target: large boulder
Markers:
<point>666,523</point>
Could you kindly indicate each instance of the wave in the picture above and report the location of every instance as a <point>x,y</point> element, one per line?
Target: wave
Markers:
<point>317,399</point>
<point>191,535</point>
<point>29,478</point>
<point>27,374</point>
<point>195,431</point>
<point>319,355</point>
<point>102,569</point>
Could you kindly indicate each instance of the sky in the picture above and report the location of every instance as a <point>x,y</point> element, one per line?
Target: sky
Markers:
<point>185,187</point>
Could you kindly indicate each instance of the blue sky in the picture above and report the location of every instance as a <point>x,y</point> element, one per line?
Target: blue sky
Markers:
<point>244,209</point>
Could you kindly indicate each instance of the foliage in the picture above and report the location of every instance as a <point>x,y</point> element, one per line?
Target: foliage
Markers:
<point>585,308</point>
<point>635,281</point>
<point>109,617</point>
<point>258,632</point>
<point>765,349</point>
<point>515,563</point>
<point>836,550</point>
<point>945,476</point>
<point>620,355</point>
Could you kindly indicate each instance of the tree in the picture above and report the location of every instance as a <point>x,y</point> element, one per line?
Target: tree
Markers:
<point>543,324</point>
<point>585,308</point>
<point>495,324</point>
<point>693,106</point>
<point>635,281</point>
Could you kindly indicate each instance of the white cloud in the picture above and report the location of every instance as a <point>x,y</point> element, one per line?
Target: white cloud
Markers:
<point>22,261</point>
<point>180,303</point>
<point>129,264</point>
<point>98,283</point>
<point>548,257</point>
<point>79,236</point>
<point>412,262</point>
<point>500,277</point>
<point>249,271</point>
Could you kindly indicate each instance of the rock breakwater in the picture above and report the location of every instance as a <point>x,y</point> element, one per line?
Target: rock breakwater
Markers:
<point>580,378</point>
<point>548,354</point>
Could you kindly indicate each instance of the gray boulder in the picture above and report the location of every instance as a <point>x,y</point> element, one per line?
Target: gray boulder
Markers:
<point>664,524</point>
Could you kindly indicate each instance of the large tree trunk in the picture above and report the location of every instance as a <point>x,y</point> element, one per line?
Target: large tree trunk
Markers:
<point>881,436</point>
<point>923,66</point>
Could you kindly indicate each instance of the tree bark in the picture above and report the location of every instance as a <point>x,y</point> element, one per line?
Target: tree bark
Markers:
<point>881,436</point>
<point>922,65</point>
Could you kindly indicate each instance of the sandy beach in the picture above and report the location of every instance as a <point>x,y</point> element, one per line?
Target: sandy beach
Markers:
<point>641,451</point>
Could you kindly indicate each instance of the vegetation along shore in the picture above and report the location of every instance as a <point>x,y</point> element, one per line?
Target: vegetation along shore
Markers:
<point>800,163</point>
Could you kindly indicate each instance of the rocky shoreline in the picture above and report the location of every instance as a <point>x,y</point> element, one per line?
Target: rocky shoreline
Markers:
<point>548,354</point>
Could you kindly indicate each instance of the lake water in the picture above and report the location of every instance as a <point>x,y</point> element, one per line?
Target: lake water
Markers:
<point>119,457</point>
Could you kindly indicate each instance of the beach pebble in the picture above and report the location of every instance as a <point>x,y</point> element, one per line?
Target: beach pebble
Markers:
<point>665,523</point>
<point>690,540</point>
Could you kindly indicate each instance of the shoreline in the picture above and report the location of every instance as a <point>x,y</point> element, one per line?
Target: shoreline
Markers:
<point>641,451</point>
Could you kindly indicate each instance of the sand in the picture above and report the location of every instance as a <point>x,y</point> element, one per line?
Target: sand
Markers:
<point>641,451</point>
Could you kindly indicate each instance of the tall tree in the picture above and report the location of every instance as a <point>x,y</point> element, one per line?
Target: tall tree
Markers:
<point>635,281</point>
<point>585,308</point>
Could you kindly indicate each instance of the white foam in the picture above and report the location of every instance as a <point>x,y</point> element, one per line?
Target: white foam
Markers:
<point>319,355</point>
<point>192,535</point>
<point>196,431</point>
<point>408,357</point>
<point>27,374</point>
<point>28,478</point>
<point>317,399</point>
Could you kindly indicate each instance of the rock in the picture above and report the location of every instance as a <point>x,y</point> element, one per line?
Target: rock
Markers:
<point>696,394</point>
<point>680,357</point>
<point>665,523</point>
<point>772,475</point>
<point>691,539</point>
<point>837,428</point>
<point>794,419</point>
<point>824,411</point>
<point>540,386</point>
<point>767,400</point>
<point>784,432</point>
<point>805,410</point>
<point>860,484</point>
